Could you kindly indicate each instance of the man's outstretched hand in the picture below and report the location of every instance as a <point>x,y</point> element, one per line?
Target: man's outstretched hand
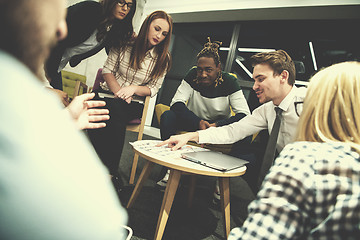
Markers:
<point>85,112</point>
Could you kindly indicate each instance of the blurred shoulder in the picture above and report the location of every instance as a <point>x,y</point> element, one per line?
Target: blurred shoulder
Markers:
<point>86,7</point>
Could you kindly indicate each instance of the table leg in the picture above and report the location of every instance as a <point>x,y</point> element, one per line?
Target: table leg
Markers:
<point>171,188</point>
<point>191,189</point>
<point>225,202</point>
<point>143,176</point>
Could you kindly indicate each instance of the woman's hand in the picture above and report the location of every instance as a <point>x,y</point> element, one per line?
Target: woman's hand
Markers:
<point>126,93</point>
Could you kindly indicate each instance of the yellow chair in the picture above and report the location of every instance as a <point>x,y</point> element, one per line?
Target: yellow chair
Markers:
<point>224,148</point>
<point>73,84</point>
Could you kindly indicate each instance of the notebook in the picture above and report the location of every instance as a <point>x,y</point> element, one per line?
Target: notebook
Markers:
<point>216,160</point>
<point>111,95</point>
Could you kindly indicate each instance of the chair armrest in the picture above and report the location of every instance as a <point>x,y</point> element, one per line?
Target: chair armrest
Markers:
<point>78,86</point>
<point>159,110</point>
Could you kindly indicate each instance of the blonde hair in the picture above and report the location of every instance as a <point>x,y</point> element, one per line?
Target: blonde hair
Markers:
<point>332,106</point>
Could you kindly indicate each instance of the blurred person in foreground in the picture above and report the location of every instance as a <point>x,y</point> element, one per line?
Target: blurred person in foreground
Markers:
<point>313,189</point>
<point>34,51</point>
<point>45,193</point>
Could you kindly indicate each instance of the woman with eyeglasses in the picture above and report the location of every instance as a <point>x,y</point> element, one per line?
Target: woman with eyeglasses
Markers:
<point>92,26</point>
<point>134,70</point>
<point>313,189</point>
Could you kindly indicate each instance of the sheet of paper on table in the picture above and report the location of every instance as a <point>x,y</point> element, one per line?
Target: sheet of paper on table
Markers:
<point>163,151</point>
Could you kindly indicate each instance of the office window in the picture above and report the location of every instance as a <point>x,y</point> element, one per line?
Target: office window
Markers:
<point>311,44</point>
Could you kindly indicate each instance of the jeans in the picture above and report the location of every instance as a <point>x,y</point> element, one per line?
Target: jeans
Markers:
<point>109,141</point>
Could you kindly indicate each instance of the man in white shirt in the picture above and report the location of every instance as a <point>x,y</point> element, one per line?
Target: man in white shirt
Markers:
<point>45,193</point>
<point>274,76</point>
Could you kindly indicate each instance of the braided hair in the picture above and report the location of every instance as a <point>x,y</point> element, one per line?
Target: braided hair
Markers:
<point>211,50</point>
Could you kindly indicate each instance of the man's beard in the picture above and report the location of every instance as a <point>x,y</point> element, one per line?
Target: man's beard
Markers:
<point>204,83</point>
<point>36,55</point>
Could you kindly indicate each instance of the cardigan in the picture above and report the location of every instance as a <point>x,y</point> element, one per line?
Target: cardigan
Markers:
<point>82,20</point>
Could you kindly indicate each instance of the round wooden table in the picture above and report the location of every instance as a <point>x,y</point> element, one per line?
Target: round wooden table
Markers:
<point>178,166</point>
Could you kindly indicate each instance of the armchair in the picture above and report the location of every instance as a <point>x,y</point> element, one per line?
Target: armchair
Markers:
<point>73,84</point>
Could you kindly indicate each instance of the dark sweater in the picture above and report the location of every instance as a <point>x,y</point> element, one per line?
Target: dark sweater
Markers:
<point>82,20</point>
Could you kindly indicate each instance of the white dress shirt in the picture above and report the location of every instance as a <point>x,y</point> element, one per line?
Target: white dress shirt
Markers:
<point>262,117</point>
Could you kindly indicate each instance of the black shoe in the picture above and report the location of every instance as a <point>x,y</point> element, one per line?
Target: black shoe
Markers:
<point>118,183</point>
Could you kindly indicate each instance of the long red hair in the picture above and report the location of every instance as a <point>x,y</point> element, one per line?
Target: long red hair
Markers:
<point>162,49</point>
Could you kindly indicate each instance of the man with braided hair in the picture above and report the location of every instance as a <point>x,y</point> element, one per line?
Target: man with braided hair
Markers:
<point>204,98</point>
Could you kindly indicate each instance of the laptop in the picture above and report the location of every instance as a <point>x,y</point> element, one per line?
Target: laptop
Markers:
<point>215,160</point>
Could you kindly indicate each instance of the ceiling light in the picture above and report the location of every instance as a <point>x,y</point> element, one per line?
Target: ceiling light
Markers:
<point>255,50</point>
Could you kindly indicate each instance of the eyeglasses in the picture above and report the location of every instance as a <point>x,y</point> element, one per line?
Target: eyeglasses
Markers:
<point>122,3</point>
<point>298,107</point>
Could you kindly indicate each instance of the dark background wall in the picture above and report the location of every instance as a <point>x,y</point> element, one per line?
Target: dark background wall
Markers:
<point>333,39</point>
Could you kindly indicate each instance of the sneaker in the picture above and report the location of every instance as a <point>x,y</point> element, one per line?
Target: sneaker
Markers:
<point>216,198</point>
<point>162,183</point>
<point>118,183</point>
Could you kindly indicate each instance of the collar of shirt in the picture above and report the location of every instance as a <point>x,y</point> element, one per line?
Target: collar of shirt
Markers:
<point>288,100</point>
<point>151,53</point>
